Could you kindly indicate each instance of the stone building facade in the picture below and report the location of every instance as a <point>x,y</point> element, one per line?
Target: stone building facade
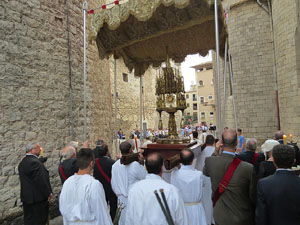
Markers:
<point>128,99</point>
<point>205,92</point>
<point>250,43</point>
<point>35,90</point>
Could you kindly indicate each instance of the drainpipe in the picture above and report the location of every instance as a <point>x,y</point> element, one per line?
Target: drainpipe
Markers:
<point>269,11</point>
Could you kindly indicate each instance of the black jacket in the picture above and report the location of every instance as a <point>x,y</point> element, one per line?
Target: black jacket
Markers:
<point>247,157</point>
<point>34,178</point>
<point>278,199</point>
<point>69,167</point>
<point>106,164</point>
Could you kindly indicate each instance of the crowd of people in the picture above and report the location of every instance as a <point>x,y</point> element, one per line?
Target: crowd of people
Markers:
<point>222,182</point>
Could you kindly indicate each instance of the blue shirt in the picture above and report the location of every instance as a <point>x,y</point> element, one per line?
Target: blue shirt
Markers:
<point>241,141</point>
<point>230,153</point>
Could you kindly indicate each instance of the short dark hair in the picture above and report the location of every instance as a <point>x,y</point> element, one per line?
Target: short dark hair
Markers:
<point>153,163</point>
<point>186,156</point>
<point>284,156</point>
<point>239,130</point>
<point>84,157</point>
<point>103,149</point>
<point>210,140</point>
<point>230,141</point>
<point>195,134</point>
<point>125,147</point>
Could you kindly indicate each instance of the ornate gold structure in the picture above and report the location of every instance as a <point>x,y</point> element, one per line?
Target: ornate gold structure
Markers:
<point>170,98</point>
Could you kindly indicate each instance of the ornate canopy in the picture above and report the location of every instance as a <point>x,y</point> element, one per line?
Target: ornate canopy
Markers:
<point>139,31</point>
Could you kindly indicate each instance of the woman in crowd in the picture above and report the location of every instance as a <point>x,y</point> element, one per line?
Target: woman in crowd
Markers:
<point>267,167</point>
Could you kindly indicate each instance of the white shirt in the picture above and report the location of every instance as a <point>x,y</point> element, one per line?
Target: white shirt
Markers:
<point>144,209</point>
<point>82,201</point>
<point>207,152</point>
<point>207,191</point>
<point>122,178</point>
<point>189,182</point>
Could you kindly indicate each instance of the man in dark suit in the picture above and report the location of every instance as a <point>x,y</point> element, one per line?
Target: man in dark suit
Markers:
<point>236,204</point>
<point>96,150</point>
<point>67,166</point>
<point>36,191</point>
<point>102,172</point>
<point>251,156</point>
<point>278,195</point>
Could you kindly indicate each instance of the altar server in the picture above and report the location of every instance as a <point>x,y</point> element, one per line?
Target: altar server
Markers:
<point>207,191</point>
<point>143,207</point>
<point>82,199</point>
<point>124,176</point>
<point>189,182</point>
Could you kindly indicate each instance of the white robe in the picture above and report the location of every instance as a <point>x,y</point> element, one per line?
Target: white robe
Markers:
<point>207,191</point>
<point>82,201</point>
<point>144,209</point>
<point>122,178</point>
<point>189,182</point>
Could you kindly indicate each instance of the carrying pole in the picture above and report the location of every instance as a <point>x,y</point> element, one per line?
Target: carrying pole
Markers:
<point>85,5</point>
<point>218,67</point>
<point>116,104</point>
<point>141,110</point>
<point>224,81</point>
<point>232,90</point>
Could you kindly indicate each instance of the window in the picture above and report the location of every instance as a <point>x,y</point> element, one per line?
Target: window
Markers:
<point>202,115</point>
<point>195,106</point>
<point>194,97</point>
<point>188,114</point>
<point>210,97</point>
<point>195,116</point>
<point>188,105</point>
<point>211,115</point>
<point>201,83</point>
<point>125,77</point>
<point>202,99</point>
<point>186,96</point>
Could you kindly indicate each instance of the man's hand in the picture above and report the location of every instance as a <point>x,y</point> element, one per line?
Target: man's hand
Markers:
<point>218,147</point>
<point>50,196</point>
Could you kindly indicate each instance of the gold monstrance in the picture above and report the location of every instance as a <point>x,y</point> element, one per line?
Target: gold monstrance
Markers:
<point>170,98</point>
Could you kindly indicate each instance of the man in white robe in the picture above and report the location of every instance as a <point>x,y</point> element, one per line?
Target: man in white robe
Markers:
<point>207,191</point>
<point>143,207</point>
<point>82,199</point>
<point>124,176</point>
<point>190,182</point>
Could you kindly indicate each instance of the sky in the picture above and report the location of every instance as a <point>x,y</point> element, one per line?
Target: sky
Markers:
<point>189,73</point>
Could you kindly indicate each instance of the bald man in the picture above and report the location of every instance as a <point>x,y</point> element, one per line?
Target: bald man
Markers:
<point>189,181</point>
<point>235,205</point>
<point>143,207</point>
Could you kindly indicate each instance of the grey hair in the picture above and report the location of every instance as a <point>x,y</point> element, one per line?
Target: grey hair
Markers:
<point>251,144</point>
<point>278,135</point>
<point>29,147</point>
<point>68,152</point>
<point>73,144</point>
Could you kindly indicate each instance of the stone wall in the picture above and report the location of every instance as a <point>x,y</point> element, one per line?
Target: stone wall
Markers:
<point>287,43</point>
<point>250,43</point>
<point>35,99</point>
<point>252,61</point>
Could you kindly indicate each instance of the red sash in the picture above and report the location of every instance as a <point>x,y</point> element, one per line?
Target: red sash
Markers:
<point>102,171</point>
<point>253,160</point>
<point>224,182</point>
<point>136,145</point>
<point>62,173</point>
